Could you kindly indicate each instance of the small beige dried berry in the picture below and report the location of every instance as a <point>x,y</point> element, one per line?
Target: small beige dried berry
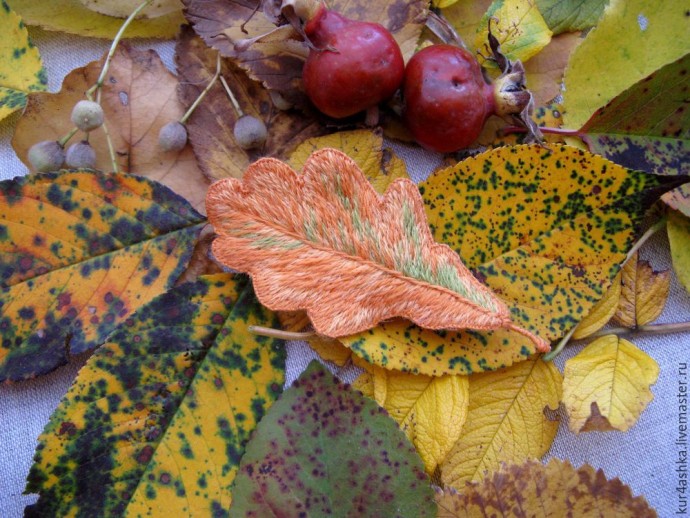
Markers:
<point>87,115</point>
<point>81,155</point>
<point>250,132</point>
<point>46,156</point>
<point>172,137</point>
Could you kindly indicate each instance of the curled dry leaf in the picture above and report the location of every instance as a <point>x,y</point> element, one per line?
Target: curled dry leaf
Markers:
<point>277,58</point>
<point>138,98</point>
<point>606,386</point>
<point>555,489</point>
<point>326,242</point>
<point>211,125</point>
<point>643,293</point>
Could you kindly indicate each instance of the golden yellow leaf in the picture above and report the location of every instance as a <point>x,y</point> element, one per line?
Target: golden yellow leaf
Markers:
<point>123,8</point>
<point>505,421</point>
<point>553,490</point>
<point>643,293</point>
<point>21,70</point>
<point>606,386</point>
<point>379,164</point>
<point>519,27</point>
<point>632,39</point>
<point>430,410</point>
<point>465,17</point>
<point>601,313</point>
<point>73,17</point>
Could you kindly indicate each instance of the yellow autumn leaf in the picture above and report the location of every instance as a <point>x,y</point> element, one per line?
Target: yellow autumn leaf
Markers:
<point>678,229</point>
<point>534,489</point>
<point>606,386</point>
<point>21,70</point>
<point>601,313</point>
<point>519,27</point>
<point>465,17</point>
<point>72,17</point>
<point>632,39</point>
<point>505,421</point>
<point>123,8</point>
<point>643,293</point>
<point>379,164</point>
<point>430,410</point>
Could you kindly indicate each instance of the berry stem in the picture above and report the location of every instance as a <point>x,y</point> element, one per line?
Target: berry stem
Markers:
<point>111,53</point>
<point>649,329</point>
<point>228,91</point>
<point>210,84</point>
<point>66,138</point>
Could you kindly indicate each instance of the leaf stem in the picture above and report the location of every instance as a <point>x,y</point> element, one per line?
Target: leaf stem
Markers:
<point>649,329</point>
<point>66,138</point>
<point>210,84</point>
<point>111,53</point>
<point>645,237</point>
<point>279,333</point>
<point>559,346</point>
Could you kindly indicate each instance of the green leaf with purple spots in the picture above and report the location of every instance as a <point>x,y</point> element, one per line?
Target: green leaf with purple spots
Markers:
<point>325,450</point>
<point>647,127</point>
<point>546,230</point>
<point>79,251</point>
<point>158,418</point>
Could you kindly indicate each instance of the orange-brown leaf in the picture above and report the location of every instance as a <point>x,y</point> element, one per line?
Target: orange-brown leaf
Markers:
<point>327,242</point>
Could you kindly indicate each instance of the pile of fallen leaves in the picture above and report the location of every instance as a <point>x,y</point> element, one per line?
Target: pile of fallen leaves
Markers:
<point>445,294</point>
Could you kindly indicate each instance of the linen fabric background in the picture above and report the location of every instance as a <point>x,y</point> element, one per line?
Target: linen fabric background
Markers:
<point>644,457</point>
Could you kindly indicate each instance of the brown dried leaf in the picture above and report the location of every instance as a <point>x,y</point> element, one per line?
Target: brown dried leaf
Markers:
<point>643,293</point>
<point>138,98</point>
<point>277,59</point>
<point>555,489</point>
<point>211,125</point>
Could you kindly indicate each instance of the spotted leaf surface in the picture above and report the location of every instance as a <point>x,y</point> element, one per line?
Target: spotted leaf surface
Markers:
<point>324,449</point>
<point>648,127</point>
<point>158,418</point>
<point>546,230</point>
<point>79,251</point>
<point>535,489</point>
<point>325,241</point>
<point>21,70</point>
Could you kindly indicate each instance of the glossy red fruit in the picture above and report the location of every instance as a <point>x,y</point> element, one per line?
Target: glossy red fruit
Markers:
<point>446,98</point>
<point>354,65</point>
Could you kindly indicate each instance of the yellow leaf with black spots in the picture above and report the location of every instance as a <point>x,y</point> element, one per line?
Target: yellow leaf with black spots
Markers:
<point>21,69</point>
<point>607,385</point>
<point>158,418</point>
<point>79,252</point>
<point>546,230</point>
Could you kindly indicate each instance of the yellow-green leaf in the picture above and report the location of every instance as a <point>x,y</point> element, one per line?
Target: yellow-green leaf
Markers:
<point>73,17</point>
<point>546,230</point>
<point>123,8</point>
<point>158,418</point>
<point>533,489</point>
<point>643,293</point>
<point>571,15</point>
<point>79,251</point>
<point>606,386</point>
<point>21,70</point>
<point>505,421</point>
<point>678,229</point>
<point>430,410</point>
<point>519,27</point>
<point>378,163</point>
<point>633,39</point>
<point>601,312</point>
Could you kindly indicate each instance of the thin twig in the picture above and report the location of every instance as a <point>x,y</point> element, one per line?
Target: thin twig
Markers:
<point>649,329</point>
<point>279,333</point>
<point>210,84</point>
